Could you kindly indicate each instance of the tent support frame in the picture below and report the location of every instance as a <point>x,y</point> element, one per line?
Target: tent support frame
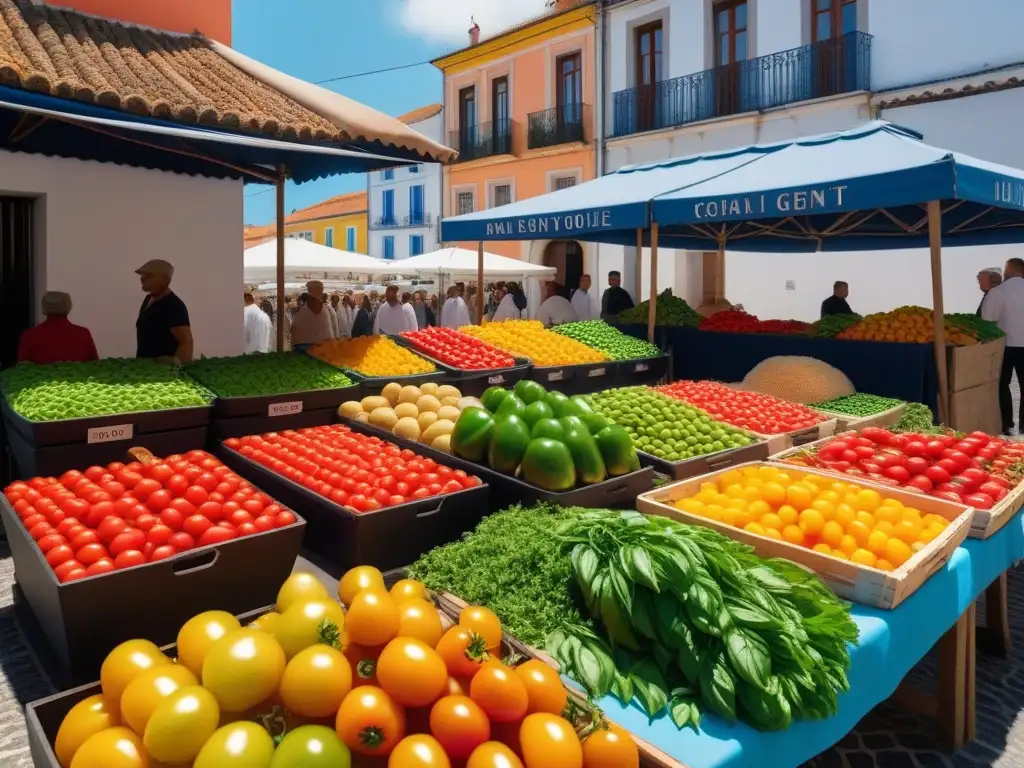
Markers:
<point>480,282</point>
<point>652,309</point>
<point>938,314</point>
<point>282,175</point>
<point>638,273</point>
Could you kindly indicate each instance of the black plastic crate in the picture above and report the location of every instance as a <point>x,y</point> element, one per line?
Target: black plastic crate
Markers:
<point>71,431</point>
<point>82,620</point>
<point>286,403</point>
<point>613,492</point>
<point>589,378</point>
<point>51,460</point>
<point>641,371</point>
<point>240,426</point>
<point>473,383</point>
<point>703,465</point>
<point>552,377</point>
<point>387,538</point>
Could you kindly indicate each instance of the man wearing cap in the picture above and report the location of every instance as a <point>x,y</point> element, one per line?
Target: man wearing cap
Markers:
<point>56,339</point>
<point>163,329</point>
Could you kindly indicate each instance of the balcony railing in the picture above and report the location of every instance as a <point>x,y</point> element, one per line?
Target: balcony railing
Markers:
<point>826,68</point>
<point>551,127</point>
<point>482,140</point>
<point>402,222</point>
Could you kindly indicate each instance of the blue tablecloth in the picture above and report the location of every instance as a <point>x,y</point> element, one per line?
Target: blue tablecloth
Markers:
<point>891,643</point>
<point>903,371</point>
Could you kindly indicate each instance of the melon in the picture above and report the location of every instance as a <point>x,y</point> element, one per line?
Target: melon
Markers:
<point>798,379</point>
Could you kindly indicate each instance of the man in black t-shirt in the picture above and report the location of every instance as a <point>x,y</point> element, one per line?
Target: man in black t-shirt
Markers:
<point>163,329</point>
<point>615,299</point>
<point>836,303</point>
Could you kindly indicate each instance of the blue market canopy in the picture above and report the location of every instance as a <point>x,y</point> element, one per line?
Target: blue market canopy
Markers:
<point>864,188</point>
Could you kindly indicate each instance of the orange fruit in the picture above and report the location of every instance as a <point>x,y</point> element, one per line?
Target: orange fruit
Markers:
<point>876,543</point>
<point>848,544</point>
<point>772,521</point>
<point>845,514</point>
<point>793,535</point>
<point>799,496</point>
<point>863,557</point>
<point>812,522</point>
<point>868,499</point>
<point>897,551</point>
<point>773,493</point>
<point>859,531</point>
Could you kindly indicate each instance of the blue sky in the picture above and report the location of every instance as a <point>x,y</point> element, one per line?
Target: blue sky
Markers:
<point>322,39</point>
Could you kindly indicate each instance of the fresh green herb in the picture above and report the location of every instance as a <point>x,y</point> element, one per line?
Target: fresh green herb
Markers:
<point>918,418</point>
<point>831,326</point>
<point>982,330</point>
<point>858,405</point>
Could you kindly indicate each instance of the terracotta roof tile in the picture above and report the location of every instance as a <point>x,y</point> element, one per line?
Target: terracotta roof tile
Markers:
<point>423,113</point>
<point>341,205</point>
<point>142,71</point>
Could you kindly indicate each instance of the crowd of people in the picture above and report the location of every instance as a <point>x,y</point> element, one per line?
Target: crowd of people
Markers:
<point>313,316</point>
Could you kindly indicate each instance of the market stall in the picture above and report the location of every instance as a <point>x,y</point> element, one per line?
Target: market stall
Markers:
<point>304,260</point>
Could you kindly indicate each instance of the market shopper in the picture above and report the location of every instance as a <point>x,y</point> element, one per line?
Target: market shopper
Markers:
<point>987,280</point>
<point>556,309</point>
<point>836,304</point>
<point>362,325</point>
<point>424,314</point>
<point>257,327</point>
<point>616,299</point>
<point>316,288</point>
<point>346,316</point>
<point>286,317</point>
<point>56,339</point>
<point>311,323</point>
<point>1004,306</point>
<point>393,317</point>
<point>506,305</point>
<point>581,302</point>
<point>162,329</point>
<point>455,312</point>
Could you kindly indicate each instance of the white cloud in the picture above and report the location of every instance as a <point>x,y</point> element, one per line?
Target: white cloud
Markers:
<point>447,21</point>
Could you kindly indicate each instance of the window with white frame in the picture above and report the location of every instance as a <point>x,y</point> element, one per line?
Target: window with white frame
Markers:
<point>564,182</point>
<point>387,174</point>
<point>464,202</point>
<point>414,169</point>
<point>329,237</point>
<point>501,194</point>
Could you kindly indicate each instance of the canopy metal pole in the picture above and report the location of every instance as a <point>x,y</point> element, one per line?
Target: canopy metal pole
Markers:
<point>638,268</point>
<point>281,176</point>
<point>654,282</point>
<point>938,315</point>
<point>480,282</point>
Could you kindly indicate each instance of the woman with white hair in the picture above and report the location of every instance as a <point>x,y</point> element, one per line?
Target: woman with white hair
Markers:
<point>56,339</point>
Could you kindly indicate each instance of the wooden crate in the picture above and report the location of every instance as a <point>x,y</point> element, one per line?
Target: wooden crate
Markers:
<point>845,421</point>
<point>811,434</point>
<point>858,583</point>
<point>976,409</point>
<point>974,365</point>
<point>650,756</point>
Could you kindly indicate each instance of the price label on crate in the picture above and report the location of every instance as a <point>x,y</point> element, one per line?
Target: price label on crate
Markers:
<point>499,379</point>
<point>110,434</point>
<point>595,372</point>
<point>641,367</point>
<point>556,376</point>
<point>284,409</point>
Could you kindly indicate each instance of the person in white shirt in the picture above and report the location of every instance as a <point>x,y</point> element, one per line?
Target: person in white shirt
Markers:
<point>316,289</point>
<point>454,313</point>
<point>581,301</point>
<point>257,327</point>
<point>1004,306</point>
<point>507,309</point>
<point>346,315</point>
<point>556,309</point>
<point>393,317</point>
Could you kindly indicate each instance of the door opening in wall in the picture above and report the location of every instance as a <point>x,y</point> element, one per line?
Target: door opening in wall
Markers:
<point>566,256</point>
<point>17,270</point>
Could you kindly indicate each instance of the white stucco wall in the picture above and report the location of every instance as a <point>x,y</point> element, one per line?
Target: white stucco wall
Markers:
<point>97,223</point>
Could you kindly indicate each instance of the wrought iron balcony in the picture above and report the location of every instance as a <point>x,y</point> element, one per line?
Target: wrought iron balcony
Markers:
<point>551,127</point>
<point>402,222</point>
<point>482,140</point>
<point>826,68</point>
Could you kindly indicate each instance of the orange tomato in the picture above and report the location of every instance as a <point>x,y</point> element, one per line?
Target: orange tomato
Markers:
<point>123,664</point>
<point>508,734</point>
<point>369,722</point>
<point>456,687</point>
<point>408,589</point>
<point>87,718</point>
<point>419,751</point>
<point>460,726</point>
<point>411,672</point>
<point>494,754</point>
<point>418,618</point>
<point>356,580</point>
<point>500,692</point>
<point>482,620</point>
<point>364,663</point>
<point>463,651</point>
<point>372,618</point>
<point>543,687</point>
<point>610,748</point>
<point>549,741</point>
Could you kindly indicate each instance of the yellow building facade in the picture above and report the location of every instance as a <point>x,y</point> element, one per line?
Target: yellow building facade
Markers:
<point>339,222</point>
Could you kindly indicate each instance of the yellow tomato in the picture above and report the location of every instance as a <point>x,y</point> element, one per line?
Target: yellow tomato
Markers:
<point>200,632</point>
<point>373,618</point>
<point>309,623</point>
<point>87,718</point>
<point>238,745</point>
<point>112,748</point>
<point>243,669</point>
<point>298,588</point>
<point>356,580</point>
<point>420,619</point>
<point>316,681</point>
<point>126,662</point>
<point>266,622</point>
<point>406,589</point>
<point>181,724</point>
<point>147,691</point>
<point>371,355</point>
<point>529,338</point>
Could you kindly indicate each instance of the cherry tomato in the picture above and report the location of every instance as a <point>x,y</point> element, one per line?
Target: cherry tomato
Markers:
<point>284,518</point>
<point>373,618</point>
<point>483,622</point>
<point>181,724</point>
<point>316,681</point>
<point>51,540</point>
<point>162,552</point>
<point>116,747</point>
<point>500,692</point>
<point>40,529</point>
<point>370,722</point>
<point>67,567</point>
<point>610,747</point>
<point>112,527</point>
<point>129,539</point>
<point>159,534</point>
<point>59,554</point>
<point>129,558</point>
<point>494,754</point>
<point>549,740</point>
<point>410,671</point>
<point>145,488</point>
<point>460,725</point>
<point>148,689</point>
<point>241,743</point>
<point>243,668</point>
<point>126,662</point>
<point>90,553</point>
<point>419,751</point>
<point>463,651</point>
<point>87,718</point>
<point>216,535</point>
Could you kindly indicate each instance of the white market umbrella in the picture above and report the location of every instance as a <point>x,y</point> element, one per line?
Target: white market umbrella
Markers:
<point>304,260</point>
<point>460,262</point>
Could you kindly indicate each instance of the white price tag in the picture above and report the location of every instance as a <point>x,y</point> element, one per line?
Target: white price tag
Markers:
<point>641,367</point>
<point>499,379</point>
<point>556,376</point>
<point>284,409</point>
<point>595,372</point>
<point>110,434</point>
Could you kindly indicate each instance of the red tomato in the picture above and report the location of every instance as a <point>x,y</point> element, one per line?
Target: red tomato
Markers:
<point>130,539</point>
<point>66,525</point>
<point>33,520</point>
<point>129,559</point>
<point>159,534</point>
<point>211,510</point>
<point>111,527</point>
<point>51,540</point>
<point>979,500</point>
<point>264,523</point>
<point>247,529</point>
<point>172,518</point>
<point>159,500</point>
<point>146,521</point>
<point>196,525</point>
<point>183,506</point>
<point>160,472</point>
<point>39,530</point>
<point>197,495</point>
<point>90,553</point>
<point>216,535</point>
<point>144,488</point>
<point>240,516</point>
<point>948,496</point>
<point>73,575</point>
<point>284,518</point>
<point>162,553</point>
<point>59,554</point>
<point>68,565</point>
<point>105,565</point>
<point>84,538</point>
<point>182,542</point>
